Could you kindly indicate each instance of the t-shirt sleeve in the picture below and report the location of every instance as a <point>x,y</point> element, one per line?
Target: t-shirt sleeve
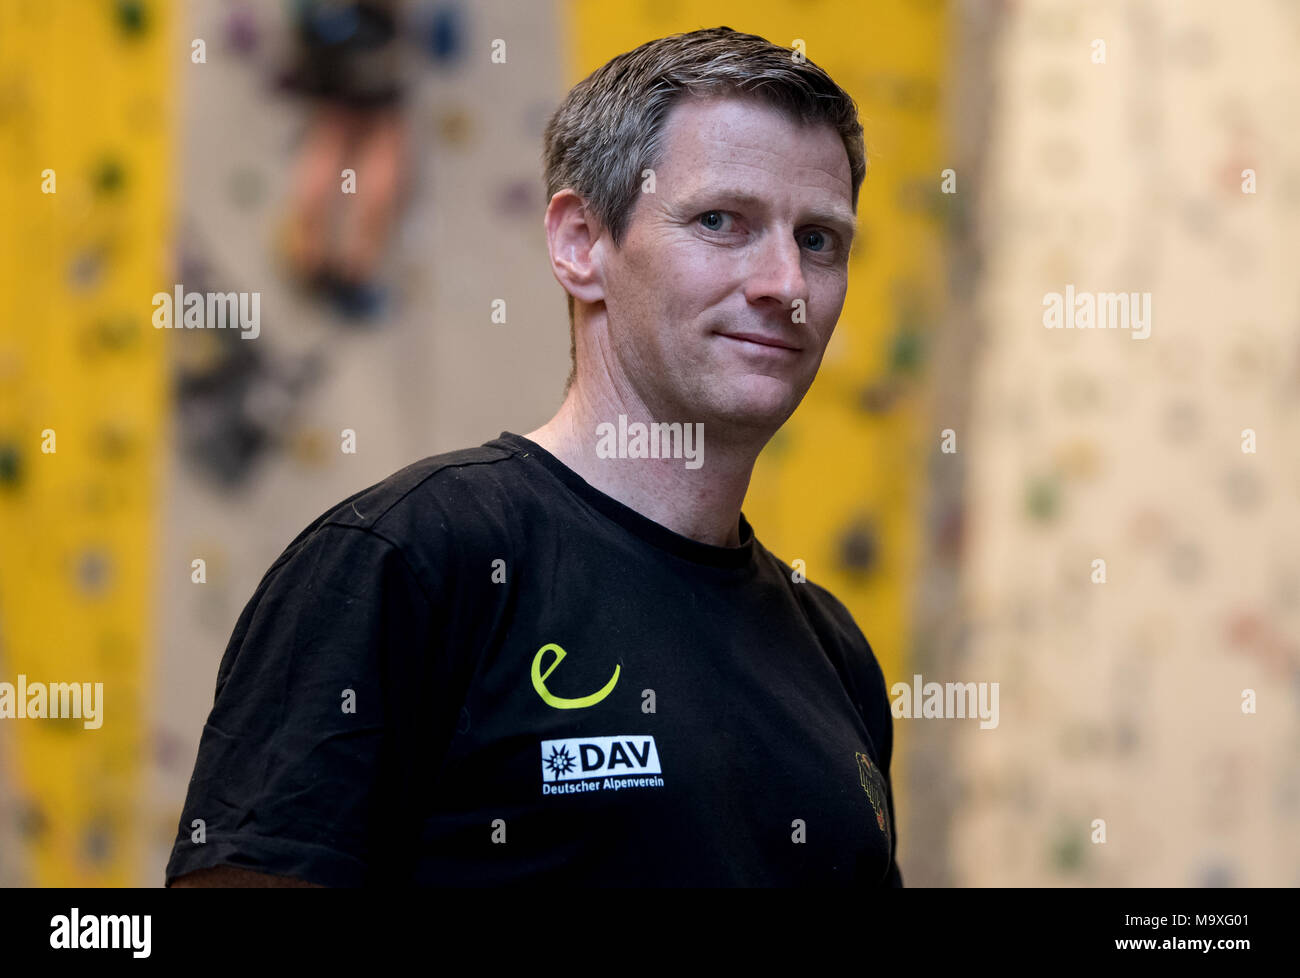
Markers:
<point>849,646</point>
<point>894,877</point>
<point>879,718</point>
<point>305,763</point>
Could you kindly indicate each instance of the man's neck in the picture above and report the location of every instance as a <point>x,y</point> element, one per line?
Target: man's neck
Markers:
<point>700,503</point>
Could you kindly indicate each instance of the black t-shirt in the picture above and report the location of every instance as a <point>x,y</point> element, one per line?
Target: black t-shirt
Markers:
<point>483,670</point>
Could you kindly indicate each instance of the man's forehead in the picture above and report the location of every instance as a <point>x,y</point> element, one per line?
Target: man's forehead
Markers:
<point>723,144</point>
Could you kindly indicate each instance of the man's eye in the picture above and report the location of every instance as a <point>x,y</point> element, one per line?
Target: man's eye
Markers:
<point>713,220</point>
<point>818,241</point>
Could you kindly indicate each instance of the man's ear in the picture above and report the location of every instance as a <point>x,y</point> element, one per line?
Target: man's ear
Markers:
<point>572,240</point>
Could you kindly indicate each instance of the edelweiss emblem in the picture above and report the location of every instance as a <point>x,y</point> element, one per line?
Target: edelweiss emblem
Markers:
<point>560,762</point>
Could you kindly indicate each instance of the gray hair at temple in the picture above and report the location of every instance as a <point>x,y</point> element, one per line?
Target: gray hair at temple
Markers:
<point>609,128</point>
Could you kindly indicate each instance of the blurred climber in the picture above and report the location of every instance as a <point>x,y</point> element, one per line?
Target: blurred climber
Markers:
<point>347,60</point>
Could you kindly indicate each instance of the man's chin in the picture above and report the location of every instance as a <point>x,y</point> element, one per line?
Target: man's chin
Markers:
<point>761,406</point>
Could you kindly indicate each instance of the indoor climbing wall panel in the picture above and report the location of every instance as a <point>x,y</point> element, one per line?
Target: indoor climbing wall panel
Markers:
<point>256,455</point>
<point>85,174</point>
<point>1149,148</point>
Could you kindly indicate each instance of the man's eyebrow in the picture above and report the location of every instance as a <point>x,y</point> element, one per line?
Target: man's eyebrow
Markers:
<point>840,219</point>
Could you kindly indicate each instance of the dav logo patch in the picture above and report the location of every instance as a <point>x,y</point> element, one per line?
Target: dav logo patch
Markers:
<point>623,761</point>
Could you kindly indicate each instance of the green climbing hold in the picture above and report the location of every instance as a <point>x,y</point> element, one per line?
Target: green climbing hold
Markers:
<point>109,176</point>
<point>10,465</point>
<point>132,17</point>
<point>1043,499</point>
<point>907,351</point>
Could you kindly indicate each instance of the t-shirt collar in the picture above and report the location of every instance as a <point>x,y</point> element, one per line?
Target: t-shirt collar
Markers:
<point>622,514</point>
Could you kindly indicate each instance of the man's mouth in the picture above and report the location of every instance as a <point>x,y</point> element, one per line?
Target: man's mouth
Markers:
<point>762,339</point>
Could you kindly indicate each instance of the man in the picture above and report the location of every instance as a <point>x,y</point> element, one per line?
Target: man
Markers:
<point>564,657</point>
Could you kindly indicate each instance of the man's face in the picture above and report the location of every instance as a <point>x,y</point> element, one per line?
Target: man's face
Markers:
<point>751,212</point>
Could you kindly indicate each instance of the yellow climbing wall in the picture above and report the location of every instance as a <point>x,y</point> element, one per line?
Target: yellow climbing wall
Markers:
<point>85,92</point>
<point>841,484</point>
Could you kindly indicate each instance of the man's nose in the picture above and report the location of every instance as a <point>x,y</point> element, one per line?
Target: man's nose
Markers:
<point>777,271</point>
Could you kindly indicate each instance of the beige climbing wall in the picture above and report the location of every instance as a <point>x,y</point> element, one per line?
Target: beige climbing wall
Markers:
<point>432,375</point>
<point>1122,701</point>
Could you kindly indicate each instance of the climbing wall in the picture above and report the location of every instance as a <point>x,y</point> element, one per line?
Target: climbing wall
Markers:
<point>85,154</point>
<point>170,168</point>
<point>127,453</point>
<point>840,486</point>
<point>176,171</point>
<point>1124,756</point>
<point>257,449</point>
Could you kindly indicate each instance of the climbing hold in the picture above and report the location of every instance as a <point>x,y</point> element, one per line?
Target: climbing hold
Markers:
<point>113,440</point>
<point>110,335</point>
<point>94,569</point>
<point>879,397</point>
<point>517,198</point>
<point>97,842</point>
<point>32,823</point>
<point>118,333</point>
<point>168,750</point>
<point>85,270</point>
<point>907,351</point>
<point>310,448</point>
<point>11,469</point>
<point>1079,458</point>
<point>1043,498</point>
<point>241,30</point>
<point>455,127</point>
<point>444,33</point>
<point>109,176</point>
<point>948,532</point>
<point>132,17</point>
<point>329,23</point>
<point>859,549</point>
<point>1067,850</point>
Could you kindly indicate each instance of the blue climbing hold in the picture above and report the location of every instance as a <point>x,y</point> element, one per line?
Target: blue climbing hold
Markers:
<point>444,34</point>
